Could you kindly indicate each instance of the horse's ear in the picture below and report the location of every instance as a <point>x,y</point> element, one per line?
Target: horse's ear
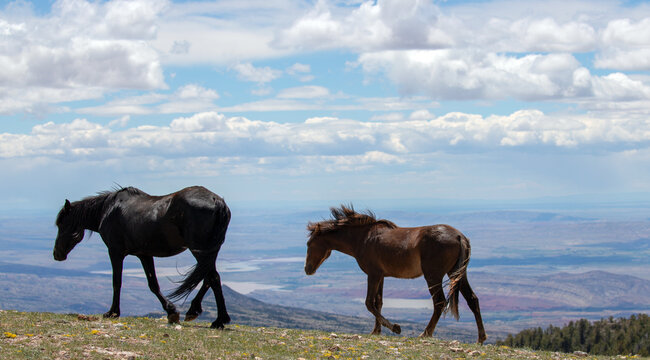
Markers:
<point>67,205</point>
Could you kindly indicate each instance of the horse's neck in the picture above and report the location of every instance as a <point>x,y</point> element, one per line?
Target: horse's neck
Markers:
<point>90,212</point>
<point>349,239</point>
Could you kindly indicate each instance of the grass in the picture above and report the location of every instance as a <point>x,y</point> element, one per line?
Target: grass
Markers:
<point>72,336</point>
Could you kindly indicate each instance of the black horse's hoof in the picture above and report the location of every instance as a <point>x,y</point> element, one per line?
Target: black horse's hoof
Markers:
<point>396,329</point>
<point>174,318</point>
<point>111,315</point>
<point>192,314</point>
<point>221,320</point>
<point>217,325</point>
<point>225,319</point>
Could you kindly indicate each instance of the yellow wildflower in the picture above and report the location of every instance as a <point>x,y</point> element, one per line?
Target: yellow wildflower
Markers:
<point>10,335</point>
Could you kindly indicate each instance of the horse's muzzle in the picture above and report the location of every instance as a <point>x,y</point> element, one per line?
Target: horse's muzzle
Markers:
<point>59,257</point>
<point>309,270</point>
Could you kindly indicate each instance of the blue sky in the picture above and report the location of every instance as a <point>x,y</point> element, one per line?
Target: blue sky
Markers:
<point>332,101</point>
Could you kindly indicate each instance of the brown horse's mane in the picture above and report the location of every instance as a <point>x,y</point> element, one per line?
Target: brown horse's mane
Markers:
<point>346,216</point>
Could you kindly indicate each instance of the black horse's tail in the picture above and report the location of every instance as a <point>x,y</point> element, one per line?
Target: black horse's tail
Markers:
<point>205,267</point>
<point>459,272</point>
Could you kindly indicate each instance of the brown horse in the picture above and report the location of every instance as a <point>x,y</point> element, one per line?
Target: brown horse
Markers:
<point>382,249</point>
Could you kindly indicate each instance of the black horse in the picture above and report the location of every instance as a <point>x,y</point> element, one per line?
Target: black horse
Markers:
<point>132,222</point>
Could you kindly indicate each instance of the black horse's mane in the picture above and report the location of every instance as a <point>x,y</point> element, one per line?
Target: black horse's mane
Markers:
<point>91,207</point>
<point>346,216</point>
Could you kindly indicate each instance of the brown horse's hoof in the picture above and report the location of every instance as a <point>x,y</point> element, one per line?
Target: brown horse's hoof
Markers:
<point>189,317</point>
<point>482,338</point>
<point>426,335</point>
<point>174,318</point>
<point>396,329</point>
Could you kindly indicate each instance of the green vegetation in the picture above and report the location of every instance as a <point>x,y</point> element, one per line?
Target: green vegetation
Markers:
<point>604,337</point>
<point>56,336</point>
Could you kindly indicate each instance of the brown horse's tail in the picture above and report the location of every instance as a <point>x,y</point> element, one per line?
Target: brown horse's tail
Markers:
<point>459,272</point>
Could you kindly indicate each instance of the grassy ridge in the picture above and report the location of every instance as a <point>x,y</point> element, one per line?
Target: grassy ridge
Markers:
<point>57,336</point>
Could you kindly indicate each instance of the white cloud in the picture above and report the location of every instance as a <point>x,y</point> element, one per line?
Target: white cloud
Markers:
<point>298,68</point>
<point>541,35</point>
<point>194,91</point>
<point>213,134</point>
<point>626,45</point>
<point>80,47</point>
<point>386,24</point>
<point>304,92</point>
<point>121,122</point>
<point>187,98</point>
<point>414,24</point>
<point>388,117</point>
<point>223,32</point>
<point>260,75</point>
<point>447,74</point>
<point>332,102</point>
<point>457,75</point>
<point>483,43</point>
<point>301,71</point>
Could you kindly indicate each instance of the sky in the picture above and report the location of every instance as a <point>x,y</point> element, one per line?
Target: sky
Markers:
<point>270,101</point>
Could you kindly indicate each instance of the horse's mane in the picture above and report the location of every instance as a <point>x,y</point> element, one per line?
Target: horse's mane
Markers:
<point>346,216</point>
<point>90,207</point>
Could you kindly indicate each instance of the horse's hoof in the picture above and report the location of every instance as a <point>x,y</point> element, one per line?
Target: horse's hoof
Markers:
<point>217,325</point>
<point>396,329</point>
<point>174,318</point>
<point>224,320</point>
<point>482,338</point>
<point>425,335</point>
<point>192,314</point>
<point>111,315</point>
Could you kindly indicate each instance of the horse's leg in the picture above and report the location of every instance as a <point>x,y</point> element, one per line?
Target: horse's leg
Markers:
<point>117,261</point>
<point>215,284</point>
<point>439,302</point>
<point>378,304</point>
<point>213,280</point>
<point>152,280</point>
<point>371,296</point>
<point>472,302</point>
<point>195,308</point>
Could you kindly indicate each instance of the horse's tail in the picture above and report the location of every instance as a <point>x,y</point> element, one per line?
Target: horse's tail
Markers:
<point>459,272</point>
<point>205,259</point>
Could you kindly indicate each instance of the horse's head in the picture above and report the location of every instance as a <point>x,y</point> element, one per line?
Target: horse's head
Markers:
<point>318,249</point>
<point>70,232</point>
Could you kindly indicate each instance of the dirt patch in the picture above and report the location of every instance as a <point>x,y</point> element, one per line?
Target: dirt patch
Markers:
<point>87,318</point>
<point>112,353</point>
